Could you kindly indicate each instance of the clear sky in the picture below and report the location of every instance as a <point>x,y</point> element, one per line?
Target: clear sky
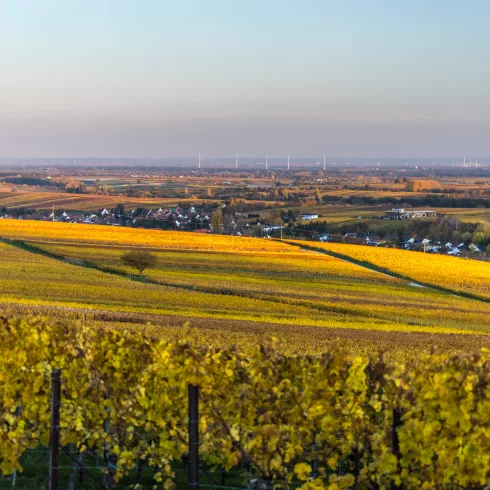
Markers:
<point>167,78</point>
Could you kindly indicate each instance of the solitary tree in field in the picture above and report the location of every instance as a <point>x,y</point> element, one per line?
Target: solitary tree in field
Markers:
<point>139,260</point>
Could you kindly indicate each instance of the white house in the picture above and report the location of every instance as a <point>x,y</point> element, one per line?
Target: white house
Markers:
<point>401,213</point>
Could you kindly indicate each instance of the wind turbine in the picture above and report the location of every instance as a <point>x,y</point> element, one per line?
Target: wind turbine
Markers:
<point>324,161</point>
<point>236,161</point>
<point>267,162</point>
<point>199,161</point>
<point>289,155</point>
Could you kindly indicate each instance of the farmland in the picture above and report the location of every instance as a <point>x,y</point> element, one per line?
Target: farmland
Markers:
<point>255,319</point>
<point>464,276</point>
<point>231,289</point>
<point>44,200</point>
<point>254,203</point>
<point>103,235</point>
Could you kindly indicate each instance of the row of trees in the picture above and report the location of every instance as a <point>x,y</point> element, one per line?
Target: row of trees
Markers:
<point>432,200</point>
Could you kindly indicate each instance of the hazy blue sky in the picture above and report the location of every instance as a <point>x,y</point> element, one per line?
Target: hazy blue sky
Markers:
<point>173,77</point>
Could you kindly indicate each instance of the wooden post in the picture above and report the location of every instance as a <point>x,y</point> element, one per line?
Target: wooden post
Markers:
<point>54,442</point>
<point>395,443</point>
<point>18,412</point>
<point>314,464</point>
<point>108,480</point>
<point>193,475</point>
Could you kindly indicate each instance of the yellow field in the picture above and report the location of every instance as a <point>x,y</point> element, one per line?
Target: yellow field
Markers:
<point>313,280</point>
<point>236,288</point>
<point>462,275</point>
<point>31,279</point>
<point>135,237</point>
<point>282,266</point>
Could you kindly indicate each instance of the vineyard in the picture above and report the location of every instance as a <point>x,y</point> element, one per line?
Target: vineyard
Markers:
<point>132,237</point>
<point>315,364</point>
<point>309,279</point>
<point>244,245</point>
<point>235,290</point>
<point>320,422</point>
<point>466,276</point>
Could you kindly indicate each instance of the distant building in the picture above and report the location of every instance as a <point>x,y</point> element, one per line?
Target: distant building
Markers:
<point>374,240</point>
<point>401,213</point>
<point>309,216</point>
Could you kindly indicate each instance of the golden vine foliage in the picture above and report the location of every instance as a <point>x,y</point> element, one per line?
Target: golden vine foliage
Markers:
<point>230,289</point>
<point>457,274</point>
<point>135,237</point>
<point>323,422</point>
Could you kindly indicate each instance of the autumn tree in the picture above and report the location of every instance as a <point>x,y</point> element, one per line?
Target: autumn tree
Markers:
<point>75,186</point>
<point>478,238</point>
<point>420,185</point>
<point>139,259</point>
<point>217,220</point>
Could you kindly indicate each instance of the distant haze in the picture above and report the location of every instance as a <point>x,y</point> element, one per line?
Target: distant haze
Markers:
<point>119,78</point>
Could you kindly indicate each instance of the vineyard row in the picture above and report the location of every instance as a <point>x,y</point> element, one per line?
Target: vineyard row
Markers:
<point>319,422</point>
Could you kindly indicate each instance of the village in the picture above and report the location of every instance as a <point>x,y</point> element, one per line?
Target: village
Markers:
<point>414,244</point>
<point>174,218</point>
<point>221,220</point>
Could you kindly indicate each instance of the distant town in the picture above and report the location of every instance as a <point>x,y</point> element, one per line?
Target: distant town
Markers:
<point>433,210</point>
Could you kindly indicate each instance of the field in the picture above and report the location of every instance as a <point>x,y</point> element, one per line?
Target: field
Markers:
<point>455,274</point>
<point>236,290</point>
<point>469,215</point>
<point>45,199</point>
<point>111,235</point>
